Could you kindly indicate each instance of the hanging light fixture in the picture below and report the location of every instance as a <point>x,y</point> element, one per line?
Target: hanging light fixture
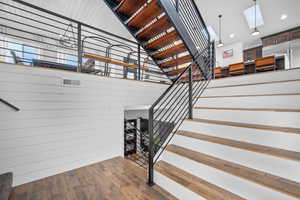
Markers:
<point>255,31</point>
<point>68,39</point>
<point>220,43</point>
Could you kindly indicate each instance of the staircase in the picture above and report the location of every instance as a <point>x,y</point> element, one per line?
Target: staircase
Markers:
<point>242,143</point>
<point>234,138</point>
<point>166,33</point>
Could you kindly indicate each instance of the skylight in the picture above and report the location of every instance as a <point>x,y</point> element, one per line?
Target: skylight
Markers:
<point>250,17</point>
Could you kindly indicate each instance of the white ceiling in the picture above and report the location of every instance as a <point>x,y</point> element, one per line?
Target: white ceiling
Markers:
<point>235,22</point>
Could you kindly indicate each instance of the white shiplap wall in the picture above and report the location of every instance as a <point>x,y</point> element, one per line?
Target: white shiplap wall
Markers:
<point>62,127</point>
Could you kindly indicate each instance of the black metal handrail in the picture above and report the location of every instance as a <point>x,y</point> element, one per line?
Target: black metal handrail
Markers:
<point>176,104</point>
<point>188,22</point>
<point>9,105</point>
<point>169,111</point>
<point>59,42</point>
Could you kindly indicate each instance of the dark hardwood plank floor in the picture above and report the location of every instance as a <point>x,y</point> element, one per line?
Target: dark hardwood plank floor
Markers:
<point>116,179</point>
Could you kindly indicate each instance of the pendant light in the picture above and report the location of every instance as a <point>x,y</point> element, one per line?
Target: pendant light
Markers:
<point>220,43</point>
<point>255,31</point>
<point>68,39</point>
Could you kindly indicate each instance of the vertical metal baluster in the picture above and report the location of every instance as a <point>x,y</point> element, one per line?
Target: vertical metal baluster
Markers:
<point>79,47</point>
<point>151,147</point>
<point>139,61</point>
<point>191,92</point>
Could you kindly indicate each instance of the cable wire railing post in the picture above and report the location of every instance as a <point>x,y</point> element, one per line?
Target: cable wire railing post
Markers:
<point>79,48</point>
<point>191,92</point>
<point>139,62</point>
<point>151,148</point>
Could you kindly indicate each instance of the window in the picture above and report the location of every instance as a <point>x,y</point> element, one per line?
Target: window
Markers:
<point>17,48</point>
<point>68,59</point>
<point>30,53</point>
<point>71,60</point>
<point>25,53</point>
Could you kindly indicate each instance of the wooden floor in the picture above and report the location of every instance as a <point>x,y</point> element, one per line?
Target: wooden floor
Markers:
<point>116,179</point>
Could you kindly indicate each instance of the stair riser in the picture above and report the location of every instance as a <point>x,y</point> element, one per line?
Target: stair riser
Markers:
<point>275,102</point>
<point>283,119</point>
<point>277,166</point>
<point>228,182</point>
<point>275,88</point>
<point>179,191</point>
<point>258,78</point>
<point>262,137</point>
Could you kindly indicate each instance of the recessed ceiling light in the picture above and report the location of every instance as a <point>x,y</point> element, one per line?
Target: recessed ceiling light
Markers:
<point>232,35</point>
<point>283,17</point>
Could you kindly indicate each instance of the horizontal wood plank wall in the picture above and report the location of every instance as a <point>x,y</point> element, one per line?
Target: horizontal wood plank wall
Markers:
<point>63,127</point>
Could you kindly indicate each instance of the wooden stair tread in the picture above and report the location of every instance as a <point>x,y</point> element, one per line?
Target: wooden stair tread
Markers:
<point>163,41</point>
<point>247,125</point>
<point>194,183</point>
<point>116,62</point>
<point>257,83</point>
<point>249,109</point>
<point>253,95</point>
<point>146,15</point>
<point>5,185</point>
<point>161,25</point>
<point>178,61</point>
<point>180,48</point>
<point>176,71</point>
<point>281,153</point>
<point>279,184</point>
<point>129,7</point>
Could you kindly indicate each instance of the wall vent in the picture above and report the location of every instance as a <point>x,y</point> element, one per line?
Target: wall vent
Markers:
<point>71,82</point>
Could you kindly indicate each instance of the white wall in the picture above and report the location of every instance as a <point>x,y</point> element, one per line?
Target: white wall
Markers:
<point>63,127</point>
<point>92,12</point>
<point>236,58</point>
<point>296,56</point>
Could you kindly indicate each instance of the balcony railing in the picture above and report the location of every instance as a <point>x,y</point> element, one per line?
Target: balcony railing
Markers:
<point>34,36</point>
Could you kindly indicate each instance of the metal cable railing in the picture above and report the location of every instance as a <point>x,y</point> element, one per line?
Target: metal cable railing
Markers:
<point>169,111</point>
<point>136,144</point>
<point>190,25</point>
<point>34,36</point>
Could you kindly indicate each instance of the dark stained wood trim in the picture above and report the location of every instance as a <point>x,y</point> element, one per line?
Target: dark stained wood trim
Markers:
<point>254,74</point>
<point>289,30</point>
<point>281,153</point>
